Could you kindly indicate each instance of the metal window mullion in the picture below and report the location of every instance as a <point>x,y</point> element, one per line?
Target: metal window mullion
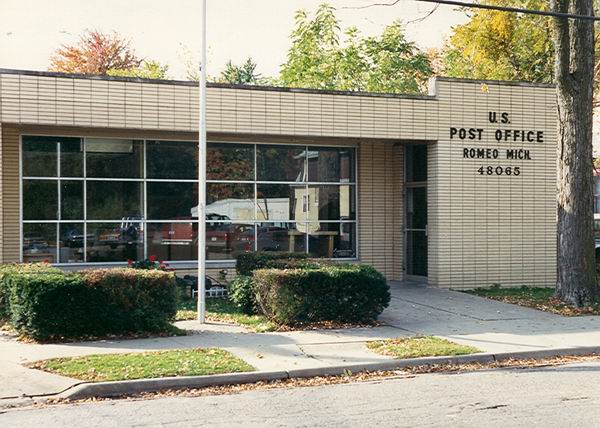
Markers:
<point>171,180</point>
<point>85,232</point>
<point>145,199</point>
<point>40,178</point>
<point>58,201</point>
<point>131,180</point>
<point>20,198</point>
<point>307,196</point>
<point>255,198</point>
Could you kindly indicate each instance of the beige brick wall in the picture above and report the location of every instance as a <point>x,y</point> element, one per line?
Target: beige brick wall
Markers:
<point>495,229</point>
<point>381,207</point>
<point>10,195</point>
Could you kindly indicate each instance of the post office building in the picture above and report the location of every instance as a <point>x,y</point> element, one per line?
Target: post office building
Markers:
<point>456,187</point>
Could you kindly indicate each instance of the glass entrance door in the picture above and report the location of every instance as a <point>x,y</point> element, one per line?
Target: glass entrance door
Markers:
<point>416,209</point>
<point>416,231</point>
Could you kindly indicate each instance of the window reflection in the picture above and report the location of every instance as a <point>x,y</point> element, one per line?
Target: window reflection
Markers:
<point>113,158</point>
<point>40,156</point>
<point>71,157</point>
<point>280,201</point>
<point>71,200</point>
<point>230,161</point>
<point>280,163</point>
<point>330,164</point>
<point>332,240</point>
<point>40,200</point>
<point>259,197</point>
<point>283,236</point>
<point>108,200</point>
<point>232,201</point>
<point>170,201</point>
<point>173,241</point>
<point>115,242</point>
<point>226,240</point>
<point>39,242</point>
<point>71,243</point>
<point>331,202</point>
<point>172,159</point>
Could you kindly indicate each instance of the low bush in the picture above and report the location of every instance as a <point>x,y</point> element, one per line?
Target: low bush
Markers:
<point>51,304</point>
<point>13,268</point>
<point>240,292</point>
<point>247,263</point>
<point>342,293</point>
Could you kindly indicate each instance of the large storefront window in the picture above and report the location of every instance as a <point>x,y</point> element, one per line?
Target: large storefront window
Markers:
<point>91,200</point>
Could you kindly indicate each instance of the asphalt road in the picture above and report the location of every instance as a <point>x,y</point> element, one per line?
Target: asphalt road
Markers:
<point>564,396</point>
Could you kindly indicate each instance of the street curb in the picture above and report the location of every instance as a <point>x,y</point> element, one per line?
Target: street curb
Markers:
<point>130,387</point>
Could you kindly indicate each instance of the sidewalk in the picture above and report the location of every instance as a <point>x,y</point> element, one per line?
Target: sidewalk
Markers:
<point>493,327</point>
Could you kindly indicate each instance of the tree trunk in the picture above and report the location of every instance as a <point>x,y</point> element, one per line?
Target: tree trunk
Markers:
<point>574,44</point>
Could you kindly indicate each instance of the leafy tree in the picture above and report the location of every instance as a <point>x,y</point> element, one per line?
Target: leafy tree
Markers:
<point>147,70</point>
<point>395,64</point>
<point>104,54</point>
<point>504,46</point>
<point>244,74</point>
<point>318,59</point>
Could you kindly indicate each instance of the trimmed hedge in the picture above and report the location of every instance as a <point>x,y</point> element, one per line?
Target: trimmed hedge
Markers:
<point>51,304</point>
<point>343,293</point>
<point>247,263</point>
<point>14,268</point>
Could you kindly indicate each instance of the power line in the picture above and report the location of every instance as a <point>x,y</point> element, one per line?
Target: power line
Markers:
<point>491,7</point>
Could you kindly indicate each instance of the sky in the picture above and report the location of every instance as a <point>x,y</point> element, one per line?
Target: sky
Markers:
<point>165,30</point>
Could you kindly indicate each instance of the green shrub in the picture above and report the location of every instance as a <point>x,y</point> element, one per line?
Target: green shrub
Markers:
<point>240,292</point>
<point>12,268</point>
<point>139,300</point>
<point>53,304</point>
<point>343,293</point>
<point>249,262</point>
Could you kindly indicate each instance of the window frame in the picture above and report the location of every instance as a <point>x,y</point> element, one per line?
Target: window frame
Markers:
<point>144,180</point>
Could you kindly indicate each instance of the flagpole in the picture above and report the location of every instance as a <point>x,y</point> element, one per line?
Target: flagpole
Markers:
<point>202,176</point>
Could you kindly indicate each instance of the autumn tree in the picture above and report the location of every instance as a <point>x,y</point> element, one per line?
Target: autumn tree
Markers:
<point>503,46</point>
<point>324,57</point>
<point>507,46</point>
<point>104,54</point>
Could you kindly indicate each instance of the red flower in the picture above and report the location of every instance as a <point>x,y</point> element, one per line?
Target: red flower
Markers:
<point>129,262</point>
<point>152,258</point>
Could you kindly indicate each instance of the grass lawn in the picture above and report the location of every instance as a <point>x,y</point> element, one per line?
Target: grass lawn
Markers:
<point>222,310</point>
<point>178,362</point>
<point>415,347</point>
<point>534,297</point>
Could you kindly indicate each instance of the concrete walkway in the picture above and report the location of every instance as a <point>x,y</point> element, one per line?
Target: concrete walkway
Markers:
<point>491,326</point>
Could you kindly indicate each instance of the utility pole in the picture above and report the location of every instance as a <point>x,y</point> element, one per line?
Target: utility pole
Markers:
<point>202,175</point>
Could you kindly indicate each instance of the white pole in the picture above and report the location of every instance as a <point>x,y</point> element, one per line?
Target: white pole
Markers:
<point>202,177</point>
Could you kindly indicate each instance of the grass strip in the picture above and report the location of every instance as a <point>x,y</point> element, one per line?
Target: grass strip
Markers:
<point>416,347</point>
<point>222,310</point>
<point>540,298</point>
<point>145,365</point>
